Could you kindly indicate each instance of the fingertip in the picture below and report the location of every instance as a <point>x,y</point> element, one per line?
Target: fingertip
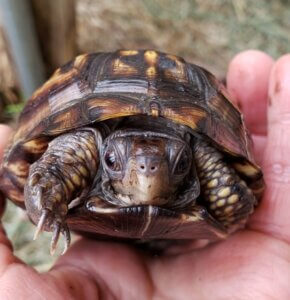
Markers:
<point>251,54</point>
<point>245,64</point>
<point>248,80</point>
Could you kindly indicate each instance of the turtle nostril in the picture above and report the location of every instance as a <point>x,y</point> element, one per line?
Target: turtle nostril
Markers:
<point>148,165</point>
<point>144,168</point>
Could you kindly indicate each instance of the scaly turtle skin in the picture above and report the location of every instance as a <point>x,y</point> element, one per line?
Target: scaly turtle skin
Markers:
<point>136,145</point>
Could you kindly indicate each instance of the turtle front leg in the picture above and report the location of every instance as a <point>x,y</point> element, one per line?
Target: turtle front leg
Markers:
<point>224,194</point>
<point>61,175</point>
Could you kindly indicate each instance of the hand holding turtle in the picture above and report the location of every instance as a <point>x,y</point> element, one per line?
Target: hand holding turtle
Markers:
<point>253,263</point>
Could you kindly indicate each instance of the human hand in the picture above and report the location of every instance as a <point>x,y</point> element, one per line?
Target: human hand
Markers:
<point>251,264</point>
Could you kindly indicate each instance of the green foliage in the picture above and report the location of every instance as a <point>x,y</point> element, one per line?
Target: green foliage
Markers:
<point>13,109</point>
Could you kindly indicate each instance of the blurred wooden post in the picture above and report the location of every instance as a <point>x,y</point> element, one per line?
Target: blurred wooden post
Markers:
<point>20,32</point>
<point>56,28</point>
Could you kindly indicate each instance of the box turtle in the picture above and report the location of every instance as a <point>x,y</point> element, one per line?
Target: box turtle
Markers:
<point>132,145</point>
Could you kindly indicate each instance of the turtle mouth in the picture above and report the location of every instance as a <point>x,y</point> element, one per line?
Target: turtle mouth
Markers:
<point>121,200</point>
<point>127,201</point>
<point>109,200</point>
<point>100,206</point>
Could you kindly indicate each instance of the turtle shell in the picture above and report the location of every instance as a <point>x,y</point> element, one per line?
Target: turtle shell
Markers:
<point>100,86</point>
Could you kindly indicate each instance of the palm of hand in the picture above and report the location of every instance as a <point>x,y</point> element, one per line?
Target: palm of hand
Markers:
<point>252,264</point>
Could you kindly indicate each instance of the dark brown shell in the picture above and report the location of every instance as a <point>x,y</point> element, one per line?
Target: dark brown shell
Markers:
<point>96,87</point>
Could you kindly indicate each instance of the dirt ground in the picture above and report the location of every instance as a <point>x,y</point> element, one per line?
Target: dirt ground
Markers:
<point>207,32</point>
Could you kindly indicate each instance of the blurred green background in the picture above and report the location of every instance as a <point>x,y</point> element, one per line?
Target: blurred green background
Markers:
<point>207,32</point>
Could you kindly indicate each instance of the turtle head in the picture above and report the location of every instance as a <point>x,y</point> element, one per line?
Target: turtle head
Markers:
<point>144,168</point>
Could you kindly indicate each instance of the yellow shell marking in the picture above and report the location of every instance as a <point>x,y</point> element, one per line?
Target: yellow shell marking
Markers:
<point>128,52</point>
<point>79,60</point>
<point>178,71</point>
<point>35,146</point>
<point>120,67</point>
<point>154,109</point>
<point>151,71</point>
<point>154,112</point>
<point>150,57</point>
<point>173,57</point>
<point>187,116</point>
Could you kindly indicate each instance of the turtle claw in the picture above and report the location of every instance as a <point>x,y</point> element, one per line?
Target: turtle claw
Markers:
<point>60,228</point>
<point>41,223</point>
<point>66,234</point>
<point>57,228</point>
<point>55,237</point>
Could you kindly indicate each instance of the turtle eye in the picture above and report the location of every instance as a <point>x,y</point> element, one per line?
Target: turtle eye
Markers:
<point>183,164</point>
<point>111,160</point>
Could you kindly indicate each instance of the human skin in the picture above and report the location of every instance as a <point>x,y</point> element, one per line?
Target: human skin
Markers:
<point>251,264</point>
